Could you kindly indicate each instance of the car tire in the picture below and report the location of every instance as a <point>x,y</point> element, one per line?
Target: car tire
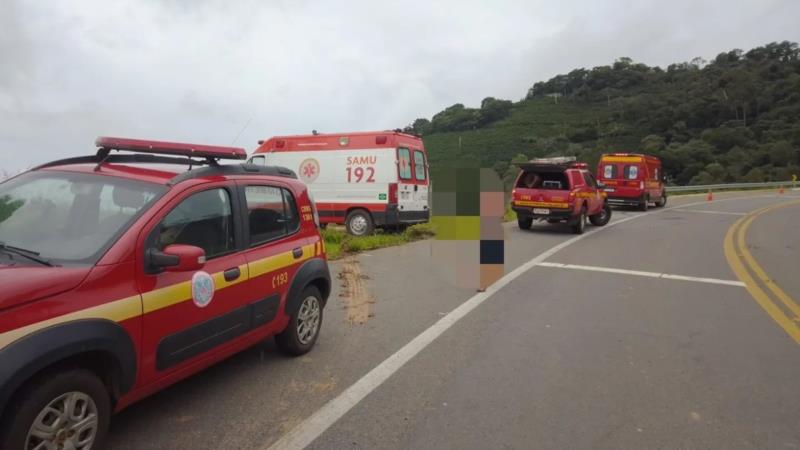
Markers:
<point>77,389</point>
<point>359,223</point>
<point>580,225</point>
<point>525,224</point>
<point>602,217</point>
<point>662,201</point>
<point>645,203</point>
<point>296,339</point>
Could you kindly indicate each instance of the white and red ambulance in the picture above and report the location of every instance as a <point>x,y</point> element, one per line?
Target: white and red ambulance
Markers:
<point>362,180</point>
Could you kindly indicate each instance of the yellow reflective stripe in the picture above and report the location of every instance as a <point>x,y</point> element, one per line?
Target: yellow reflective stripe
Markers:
<point>134,306</point>
<point>116,311</point>
<point>621,159</point>
<point>542,204</point>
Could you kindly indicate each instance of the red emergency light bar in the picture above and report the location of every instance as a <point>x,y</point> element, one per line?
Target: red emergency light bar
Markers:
<point>170,148</point>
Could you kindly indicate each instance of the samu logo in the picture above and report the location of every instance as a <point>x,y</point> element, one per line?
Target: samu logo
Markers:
<point>309,170</point>
<point>202,289</point>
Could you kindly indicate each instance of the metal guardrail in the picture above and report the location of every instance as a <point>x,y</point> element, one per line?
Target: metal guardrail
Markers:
<point>717,187</point>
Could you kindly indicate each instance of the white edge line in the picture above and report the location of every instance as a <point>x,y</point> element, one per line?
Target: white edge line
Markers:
<point>712,212</point>
<point>640,273</point>
<point>313,426</point>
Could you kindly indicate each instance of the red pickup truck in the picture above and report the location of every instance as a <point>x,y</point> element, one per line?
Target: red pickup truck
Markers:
<point>559,190</point>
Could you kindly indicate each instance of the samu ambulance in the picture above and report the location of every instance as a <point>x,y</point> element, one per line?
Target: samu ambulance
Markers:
<point>362,180</point>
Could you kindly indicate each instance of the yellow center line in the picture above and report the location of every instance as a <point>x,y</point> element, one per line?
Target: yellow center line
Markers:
<point>740,259</point>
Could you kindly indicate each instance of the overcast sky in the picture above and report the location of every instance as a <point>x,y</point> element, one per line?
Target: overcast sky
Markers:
<point>199,71</point>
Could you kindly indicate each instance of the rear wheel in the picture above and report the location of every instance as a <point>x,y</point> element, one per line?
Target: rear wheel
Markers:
<point>645,203</point>
<point>63,410</point>
<point>662,200</point>
<point>525,224</point>
<point>359,223</point>
<point>579,226</point>
<point>602,217</point>
<point>301,334</point>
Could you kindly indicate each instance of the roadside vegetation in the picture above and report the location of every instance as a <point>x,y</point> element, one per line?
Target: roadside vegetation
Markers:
<point>735,118</point>
<point>339,244</point>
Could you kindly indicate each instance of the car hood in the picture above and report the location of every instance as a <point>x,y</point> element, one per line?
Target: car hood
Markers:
<point>22,284</point>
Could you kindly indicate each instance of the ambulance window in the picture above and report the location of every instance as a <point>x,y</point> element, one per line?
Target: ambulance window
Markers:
<point>419,165</point>
<point>610,171</point>
<point>404,163</point>
<point>655,173</point>
<point>258,160</point>
<point>631,172</point>
<point>272,213</point>
<point>203,220</point>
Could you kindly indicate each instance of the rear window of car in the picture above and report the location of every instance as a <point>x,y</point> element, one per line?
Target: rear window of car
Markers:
<point>543,180</point>
<point>631,172</point>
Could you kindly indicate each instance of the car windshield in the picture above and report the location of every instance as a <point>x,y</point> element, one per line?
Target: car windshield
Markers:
<point>69,218</point>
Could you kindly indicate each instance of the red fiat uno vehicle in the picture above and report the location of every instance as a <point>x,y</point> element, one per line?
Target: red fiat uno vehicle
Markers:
<point>123,273</point>
<point>558,190</point>
<point>632,179</point>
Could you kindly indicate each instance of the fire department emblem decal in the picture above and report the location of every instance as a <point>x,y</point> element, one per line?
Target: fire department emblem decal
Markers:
<point>202,289</point>
<point>309,170</point>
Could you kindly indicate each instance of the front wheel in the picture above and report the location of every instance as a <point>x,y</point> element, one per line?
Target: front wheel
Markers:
<point>579,226</point>
<point>602,217</point>
<point>64,410</point>
<point>525,224</point>
<point>359,223</point>
<point>301,334</point>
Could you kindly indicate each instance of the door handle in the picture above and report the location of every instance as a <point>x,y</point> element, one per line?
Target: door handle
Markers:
<point>297,253</point>
<point>232,274</point>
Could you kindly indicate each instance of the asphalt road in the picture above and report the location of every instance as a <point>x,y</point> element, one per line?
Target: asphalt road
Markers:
<point>639,335</point>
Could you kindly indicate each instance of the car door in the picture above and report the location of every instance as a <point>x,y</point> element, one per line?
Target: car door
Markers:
<point>190,314</point>
<point>595,200</point>
<point>275,246</point>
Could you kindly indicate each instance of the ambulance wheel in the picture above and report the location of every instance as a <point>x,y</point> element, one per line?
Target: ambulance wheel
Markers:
<point>61,409</point>
<point>525,224</point>
<point>602,217</point>
<point>580,224</point>
<point>662,201</point>
<point>359,223</point>
<point>645,203</point>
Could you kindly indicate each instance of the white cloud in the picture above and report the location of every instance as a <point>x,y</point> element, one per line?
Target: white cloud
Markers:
<point>199,71</point>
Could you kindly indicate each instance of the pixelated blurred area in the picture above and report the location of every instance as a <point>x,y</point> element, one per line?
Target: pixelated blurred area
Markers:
<point>467,205</point>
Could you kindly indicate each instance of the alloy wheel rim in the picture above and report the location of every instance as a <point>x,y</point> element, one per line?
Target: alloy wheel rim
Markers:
<point>308,320</point>
<point>69,422</point>
<point>358,224</point>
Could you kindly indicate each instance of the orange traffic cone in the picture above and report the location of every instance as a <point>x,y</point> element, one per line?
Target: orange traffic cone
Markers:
<point>780,191</point>
<point>710,196</point>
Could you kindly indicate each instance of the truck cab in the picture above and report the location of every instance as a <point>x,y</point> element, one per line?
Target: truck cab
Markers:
<point>558,190</point>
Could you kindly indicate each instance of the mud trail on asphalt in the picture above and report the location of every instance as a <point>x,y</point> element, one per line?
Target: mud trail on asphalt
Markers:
<point>354,292</point>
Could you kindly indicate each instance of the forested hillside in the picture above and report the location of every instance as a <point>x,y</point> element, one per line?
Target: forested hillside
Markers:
<point>734,118</point>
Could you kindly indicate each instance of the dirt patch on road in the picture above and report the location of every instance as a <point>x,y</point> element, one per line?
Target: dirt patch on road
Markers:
<point>354,292</point>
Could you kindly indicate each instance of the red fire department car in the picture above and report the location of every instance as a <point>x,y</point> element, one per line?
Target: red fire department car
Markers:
<point>558,190</point>
<point>123,273</point>
<point>363,180</point>
<point>632,179</point>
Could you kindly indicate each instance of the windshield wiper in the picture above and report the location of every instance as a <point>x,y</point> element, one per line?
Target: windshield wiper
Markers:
<point>30,254</point>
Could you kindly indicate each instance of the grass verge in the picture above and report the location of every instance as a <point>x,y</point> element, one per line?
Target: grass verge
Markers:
<point>339,244</point>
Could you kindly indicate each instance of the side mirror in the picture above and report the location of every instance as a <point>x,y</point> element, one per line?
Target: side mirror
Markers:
<point>177,258</point>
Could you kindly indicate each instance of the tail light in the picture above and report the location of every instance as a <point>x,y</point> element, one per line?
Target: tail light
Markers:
<point>641,184</point>
<point>392,192</point>
<point>314,209</point>
<point>571,196</point>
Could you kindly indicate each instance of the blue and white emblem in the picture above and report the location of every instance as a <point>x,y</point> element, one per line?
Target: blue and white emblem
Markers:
<point>202,289</point>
